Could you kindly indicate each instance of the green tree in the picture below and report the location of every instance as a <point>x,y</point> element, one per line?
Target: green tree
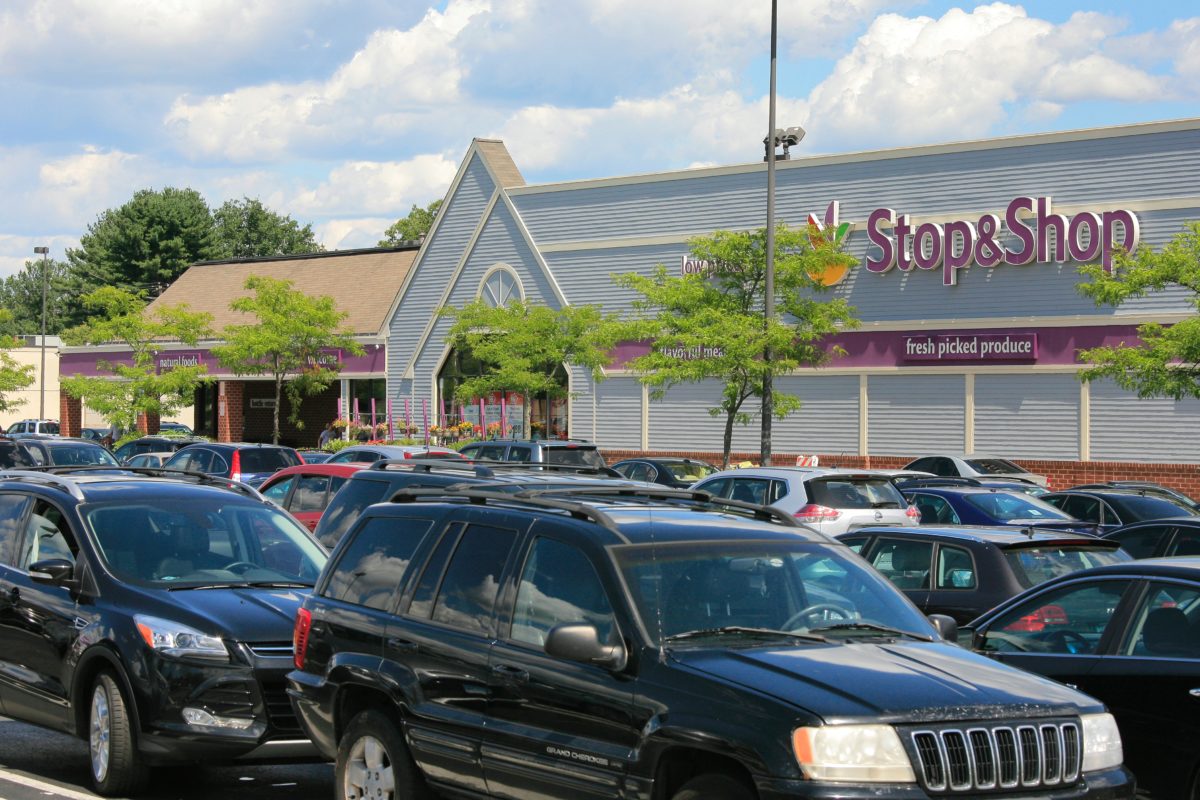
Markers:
<point>289,340</point>
<point>136,383</point>
<point>711,326</point>
<point>1167,364</point>
<point>21,296</point>
<point>413,227</point>
<point>247,229</point>
<point>148,242</point>
<point>524,345</point>
<point>14,376</point>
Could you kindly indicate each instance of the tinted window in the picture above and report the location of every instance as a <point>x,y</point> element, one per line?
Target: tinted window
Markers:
<point>635,471</point>
<point>279,491</point>
<point>955,569</point>
<point>489,452</point>
<point>1142,542</point>
<point>1005,506</point>
<point>310,493</point>
<point>559,586</point>
<point>848,492</point>
<point>718,487</point>
<point>11,455</point>
<point>690,472</point>
<point>1164,624</point>
<point>1134,508</point>
<point>516,453</point>
<point>575,456</point>
<point>353,498</point>
<point>1034,565</point>
<point>993,466</point>
<point>12,512</point>
<point>1187,543</point>
<point>66,455</point>
<point>1070,619</point>
<point>934,509</point>
<point>468,591</point>
<point>266,459</point>
<point>904,562</point>
<point>751,490</point>
<point>373,565</point>
<point>46,536</point>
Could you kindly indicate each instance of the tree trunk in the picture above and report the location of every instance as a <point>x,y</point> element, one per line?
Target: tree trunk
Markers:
<point>278,392</point>
<point>527,415</point>
<point>728,442</point>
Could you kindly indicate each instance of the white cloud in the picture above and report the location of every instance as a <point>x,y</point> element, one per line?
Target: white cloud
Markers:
<point>359,187</point>
<point>89,182</point>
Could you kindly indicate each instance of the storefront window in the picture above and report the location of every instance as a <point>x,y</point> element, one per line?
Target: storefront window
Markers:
<point>500,410</point>
<point>367,394</point>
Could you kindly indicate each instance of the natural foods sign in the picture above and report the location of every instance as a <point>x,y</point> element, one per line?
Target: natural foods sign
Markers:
<point>1036,234</point>
<point>971,347</point>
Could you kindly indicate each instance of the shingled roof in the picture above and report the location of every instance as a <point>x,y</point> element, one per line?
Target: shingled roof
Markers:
<point>362,283</point>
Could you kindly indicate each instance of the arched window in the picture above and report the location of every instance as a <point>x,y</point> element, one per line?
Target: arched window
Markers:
<point>500,287</point>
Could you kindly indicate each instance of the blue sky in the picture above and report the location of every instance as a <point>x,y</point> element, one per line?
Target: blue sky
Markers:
<point>344,113</point>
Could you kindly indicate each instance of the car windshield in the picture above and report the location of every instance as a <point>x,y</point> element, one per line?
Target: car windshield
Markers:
<point>797,587</point>
<point>689,473</point>
<point>1135,508</point>
<point>844,491</point>
<point>1007,506</point>
<point>575,456</point>
<point>66,455</point>
<point>266,459</point>
<point>192,541</point>
<point>993,466</point>
<point>1034,565</point>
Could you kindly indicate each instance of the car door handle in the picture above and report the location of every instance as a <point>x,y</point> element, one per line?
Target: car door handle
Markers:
<point>402,645</point>
<point>14,596</point>
<point>505,672</point>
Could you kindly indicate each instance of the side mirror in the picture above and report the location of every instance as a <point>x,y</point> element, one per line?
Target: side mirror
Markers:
<point>946,626</point>
<point>581,642</point>
<point>53,572</point>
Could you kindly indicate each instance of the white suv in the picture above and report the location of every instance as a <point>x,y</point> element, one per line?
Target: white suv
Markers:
<point>33,427</point>
<point>832,501</point>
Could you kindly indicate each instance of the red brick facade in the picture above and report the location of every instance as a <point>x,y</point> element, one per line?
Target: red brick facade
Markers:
<point>70,415</point>
<point>230,410</point>
<point>147,424</point>
<point>1062,474</point>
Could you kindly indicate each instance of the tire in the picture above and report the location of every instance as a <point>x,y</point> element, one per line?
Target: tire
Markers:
<point>116,768</point>
<point>714,787</point>
<point>373,763</point>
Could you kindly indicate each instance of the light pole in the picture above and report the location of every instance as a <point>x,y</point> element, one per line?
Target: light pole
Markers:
<point>44,252</point>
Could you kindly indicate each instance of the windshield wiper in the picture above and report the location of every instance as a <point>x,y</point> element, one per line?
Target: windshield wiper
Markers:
<point>244,585</point>
<point>738,630</point>
<point>870,627</point>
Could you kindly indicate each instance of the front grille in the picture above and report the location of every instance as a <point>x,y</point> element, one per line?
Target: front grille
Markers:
<point>229,699</point>
<point>271,649</point>
<point>998,757</point>
<point>280,714</point>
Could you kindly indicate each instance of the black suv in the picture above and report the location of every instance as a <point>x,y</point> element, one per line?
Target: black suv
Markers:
<point>633,643</point>
<point>151,617</point>
<point>238,461</point>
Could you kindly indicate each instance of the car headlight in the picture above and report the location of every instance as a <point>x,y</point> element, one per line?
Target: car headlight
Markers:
<point>858,753</point>
<point>175,639</point>
<point>1101,742</point>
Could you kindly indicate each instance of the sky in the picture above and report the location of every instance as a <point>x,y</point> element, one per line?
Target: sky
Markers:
<point>345,113</point>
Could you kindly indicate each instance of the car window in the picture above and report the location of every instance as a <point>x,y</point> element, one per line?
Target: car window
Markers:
<point>469,451</point>
<point>1165,623</point>
<point>1142,542</point>
<point>1187,543</point>
<point>993,466</point>
<point>1034,565</point>
<point>1006,506</point>
<point>12,455</point>
<point>310,494</point>
<point>717,487</point>
<point>202,460</point>
<point>46,536</point>
<point>944,467</point>
<point>266,459</point>
<point>341,514</point>
<point>955,568</point>
<point>750,490</point>
<point>934,510</point>
<point>559,586</point>
<point>690,472</point>
<point>68,455</point>
<point>1134,508</point>
<point>35,452</point>
<point>519,453</point>
<point>467,593</point>
<point>1070,619</point>
<point>922,465</point>
<point>904,562</point>
<point>12,514</point>
<point>372,566</point>
<point>279,491</point>
<point>490,452</point>
<point>849,492</point>
<point>574,456</point>
<point>779,490</point>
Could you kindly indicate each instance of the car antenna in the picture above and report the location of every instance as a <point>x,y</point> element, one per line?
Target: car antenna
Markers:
<point>1028,530</point>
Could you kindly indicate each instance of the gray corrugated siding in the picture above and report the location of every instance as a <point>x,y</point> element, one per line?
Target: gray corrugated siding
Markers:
<point>1027,416</point>
<point>914,414</point>
<point>462,214</point>
<point>619,423</point>
<point>1128,428</point>
<point>680,421</point>
<point>827,421</point>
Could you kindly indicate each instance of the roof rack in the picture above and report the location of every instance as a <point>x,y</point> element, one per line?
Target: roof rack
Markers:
<point>47,478</point>
<point>486,468</point>
<point>913,483</point>
<point>765,513</point>
<point>155,472</point>
<point>481,497</point>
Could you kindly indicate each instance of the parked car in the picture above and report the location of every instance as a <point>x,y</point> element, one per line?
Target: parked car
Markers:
<point>1129,635</point>
<point>306,490</point>
<point>370,453</point>
<point>962,571</point>
<point>676,472</point>
<point>975,505</point>
<point>150,617</point>
<point>1171,536</point>
<point>315,456</point>
<point>98,435</point>
<point>832,501</point>
<point>152,444</point>
<point>974,466</point>
<point>149,460</point>
<point>12,455</point>
<point>580,645</point>
<point>33,427</point>
<point>1006,484</point>
<point>572,452</point>
<point>1112,508</point>
<point>1148,486</point>
<point>384,478</point>
<point>238,461</point>
<point>175,427</point>
<point>64,452</point>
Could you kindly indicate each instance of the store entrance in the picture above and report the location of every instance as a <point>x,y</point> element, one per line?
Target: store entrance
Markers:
<point>501,413</point>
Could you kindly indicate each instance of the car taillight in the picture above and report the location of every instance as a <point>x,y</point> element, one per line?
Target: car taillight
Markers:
<point>235,473</point>
<point>1039,620</point>
<point>815,513</point>
<point>300,636</point>
<point>913,514</point>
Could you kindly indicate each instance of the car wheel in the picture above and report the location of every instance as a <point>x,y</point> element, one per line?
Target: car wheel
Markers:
<point>116,768</point>
<point>714,787</point>
<point>373,762</point>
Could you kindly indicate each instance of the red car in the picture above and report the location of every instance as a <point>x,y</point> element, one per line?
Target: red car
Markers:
<point>306,490</point>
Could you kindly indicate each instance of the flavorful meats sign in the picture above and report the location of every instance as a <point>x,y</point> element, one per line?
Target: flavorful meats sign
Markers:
<point>971,347</point>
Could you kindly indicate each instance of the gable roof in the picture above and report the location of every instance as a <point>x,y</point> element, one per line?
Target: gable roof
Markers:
<point>362,283</point>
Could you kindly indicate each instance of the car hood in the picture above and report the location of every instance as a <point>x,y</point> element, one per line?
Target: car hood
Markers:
<point>245,614</point>
<point>889,681</point>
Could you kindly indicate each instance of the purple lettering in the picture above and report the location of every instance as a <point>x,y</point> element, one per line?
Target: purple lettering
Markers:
<point>960,250</point>
<point>902,259</point>
<point>1129,226</point>
<point>1021,230</point>
<point>887,255</point>
<point>936,236</point>
<point>1079,251</point>
<point>988,252</point>
<point>1046,222</point>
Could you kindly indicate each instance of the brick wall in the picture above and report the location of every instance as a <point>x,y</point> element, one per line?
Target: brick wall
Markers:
<point>1062,474</point>
<point>230,411</point>
<point>70,415</point>
<point>148,423</point>
<point>315,411</point>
